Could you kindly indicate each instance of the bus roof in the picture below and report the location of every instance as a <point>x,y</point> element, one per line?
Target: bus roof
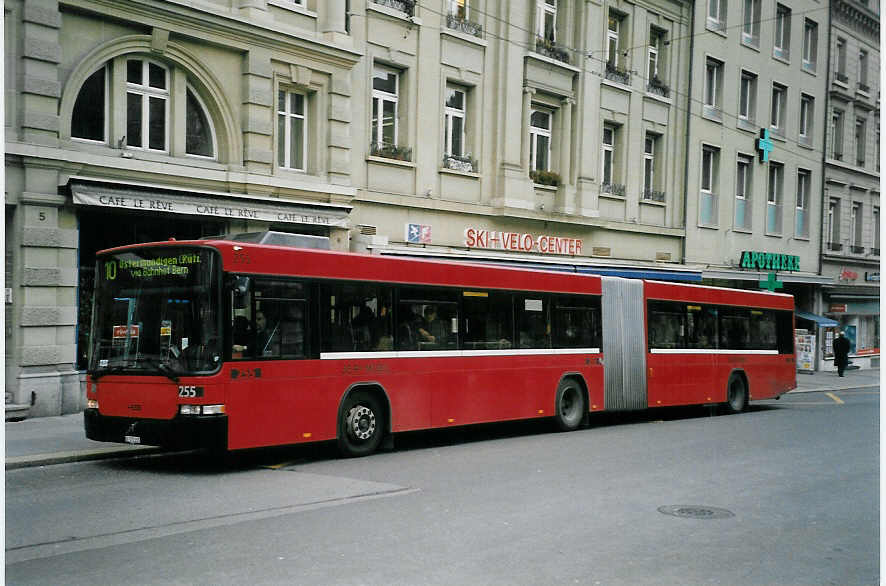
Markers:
<point>248,258</point>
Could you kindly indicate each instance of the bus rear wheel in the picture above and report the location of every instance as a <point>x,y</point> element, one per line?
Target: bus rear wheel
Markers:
<point>736,395</point>
<point>361,426</point>
<point>569,405</point>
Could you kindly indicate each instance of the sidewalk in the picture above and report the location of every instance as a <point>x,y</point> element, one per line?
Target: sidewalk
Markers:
<point>42,441</point>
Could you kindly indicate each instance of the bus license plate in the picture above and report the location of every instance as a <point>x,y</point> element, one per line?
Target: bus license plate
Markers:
<point>132,439</point>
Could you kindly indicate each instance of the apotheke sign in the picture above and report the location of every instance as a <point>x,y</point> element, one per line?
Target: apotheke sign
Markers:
<point>769,261</point>
<point>521,242</point>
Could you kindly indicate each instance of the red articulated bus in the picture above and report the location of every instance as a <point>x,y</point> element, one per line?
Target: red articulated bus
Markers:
<point>229,345</point>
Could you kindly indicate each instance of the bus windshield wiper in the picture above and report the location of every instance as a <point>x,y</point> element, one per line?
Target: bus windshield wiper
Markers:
<point>100,372</point>
<point>163,369</point>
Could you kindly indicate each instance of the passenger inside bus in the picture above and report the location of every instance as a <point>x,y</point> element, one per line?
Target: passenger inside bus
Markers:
<point>432,330</point>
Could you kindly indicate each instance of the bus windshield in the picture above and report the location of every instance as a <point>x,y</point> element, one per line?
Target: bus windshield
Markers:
<point>156,312</point>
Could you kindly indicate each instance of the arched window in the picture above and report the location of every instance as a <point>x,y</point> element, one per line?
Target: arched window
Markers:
<point>150,93</point>
<point>199,133</point>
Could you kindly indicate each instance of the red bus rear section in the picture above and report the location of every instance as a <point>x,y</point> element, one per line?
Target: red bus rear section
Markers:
<point>227,345</point>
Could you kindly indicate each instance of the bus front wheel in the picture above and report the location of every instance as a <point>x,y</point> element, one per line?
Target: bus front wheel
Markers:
<point>569,405</point>
<point>361,426</point>
<point>736,395</point>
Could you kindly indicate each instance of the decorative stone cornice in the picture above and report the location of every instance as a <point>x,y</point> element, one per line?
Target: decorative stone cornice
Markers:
<point>856,16</point>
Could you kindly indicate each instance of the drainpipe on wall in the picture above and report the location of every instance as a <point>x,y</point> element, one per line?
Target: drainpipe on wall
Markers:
<point>818,303</point>
<point>688,137</point>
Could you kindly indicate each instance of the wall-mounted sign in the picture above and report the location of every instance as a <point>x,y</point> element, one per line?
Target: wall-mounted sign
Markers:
<point>520,242</point>
<point>769,261</point>
<point>837,308</point>
<point>764,145</point>
<point>872,277</point>
<point>418,233</point>
<point>847,275</point>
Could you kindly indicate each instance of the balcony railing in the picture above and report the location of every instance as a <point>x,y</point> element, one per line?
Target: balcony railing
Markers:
<point>463,25</point>
<point>390,151</point>
<point>653,194</point>
<point>657,86</point>
<point>551,49</point>
<point>835,246</point>
<point>613,189</point>
<point>857,249</point>
<point>617,74</point>
<point>407,6</point>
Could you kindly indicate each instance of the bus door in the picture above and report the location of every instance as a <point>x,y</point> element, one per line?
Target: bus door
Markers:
<point>624,348</point>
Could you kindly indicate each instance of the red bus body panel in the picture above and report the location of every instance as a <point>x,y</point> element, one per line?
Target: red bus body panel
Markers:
<point>701,377</point>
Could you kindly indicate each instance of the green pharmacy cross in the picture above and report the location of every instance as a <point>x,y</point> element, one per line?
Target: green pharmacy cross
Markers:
<point>772,283</point>
<point>764,145</point>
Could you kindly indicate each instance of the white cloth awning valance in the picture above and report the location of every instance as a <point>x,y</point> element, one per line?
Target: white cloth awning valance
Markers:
<point>125,197</point>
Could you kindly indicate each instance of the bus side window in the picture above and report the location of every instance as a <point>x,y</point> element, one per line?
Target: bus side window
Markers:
<point>533,322</point>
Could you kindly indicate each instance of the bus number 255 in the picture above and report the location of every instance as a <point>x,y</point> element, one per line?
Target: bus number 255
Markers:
<point>189,391</point>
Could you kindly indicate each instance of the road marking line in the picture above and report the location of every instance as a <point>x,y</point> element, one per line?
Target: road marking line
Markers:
<point>836,399</point>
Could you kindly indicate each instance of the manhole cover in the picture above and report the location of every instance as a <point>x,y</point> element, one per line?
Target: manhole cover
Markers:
<point>695,512</point>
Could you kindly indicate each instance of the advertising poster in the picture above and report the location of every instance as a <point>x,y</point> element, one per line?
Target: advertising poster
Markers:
<point>805,345</point>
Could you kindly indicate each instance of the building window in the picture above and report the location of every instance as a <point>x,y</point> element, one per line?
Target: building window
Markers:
<point>833,225</point>
<point>716,15</point>
<point>877,146</point>
<point>840,66</point>
<point>612,34</point>
<point>147,105</point>
<point>747,98</point>
<point>782,44</point>
<point>655,67</point>
<point>774,198</point>
<point>876,219</point>
<point>863,71</point>
<point>608,154</point>
<point>743,188</point>
<point>810,45</point>
<point>710,163</point>
<point>779,102</point>
<point>856,226</point>
<point>454,122</point>
<point>148,101</point>
<point>292,130</point>
<point>385,98</point>
<point>546,20</point>
<point>199,132</point>
<point>459,9</point>
<point>88,121</point>
<point>540,139</point>
<point>837,135</point>
<point>860,140</point>
<point>750,24</point>
<point>713,88</point>
<point>804,185</point>
<point>650,151</point>
<point>807,112</point>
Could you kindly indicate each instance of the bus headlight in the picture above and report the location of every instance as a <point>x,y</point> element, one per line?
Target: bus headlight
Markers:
<point>201,409</point>
<point>92,404</point>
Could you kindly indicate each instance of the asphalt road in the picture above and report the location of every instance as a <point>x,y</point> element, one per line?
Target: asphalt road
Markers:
<point>787,493</point>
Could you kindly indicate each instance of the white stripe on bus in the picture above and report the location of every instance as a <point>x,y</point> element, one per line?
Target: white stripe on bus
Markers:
<point>708,351</point>
<point>456,353</point>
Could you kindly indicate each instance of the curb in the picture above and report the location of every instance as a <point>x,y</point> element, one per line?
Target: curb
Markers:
<point>847,387</point>
<point>34,460</point>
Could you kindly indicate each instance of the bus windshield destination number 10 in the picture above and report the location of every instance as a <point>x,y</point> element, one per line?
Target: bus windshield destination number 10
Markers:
<point>230,345</point>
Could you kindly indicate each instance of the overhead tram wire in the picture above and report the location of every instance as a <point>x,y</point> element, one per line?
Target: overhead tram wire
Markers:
<point>582,53</point>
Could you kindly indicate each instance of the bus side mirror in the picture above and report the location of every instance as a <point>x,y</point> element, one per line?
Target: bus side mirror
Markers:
<point>240,288</point>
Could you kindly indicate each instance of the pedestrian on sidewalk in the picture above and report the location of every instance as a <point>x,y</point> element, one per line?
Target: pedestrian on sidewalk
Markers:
<point>841,352</point>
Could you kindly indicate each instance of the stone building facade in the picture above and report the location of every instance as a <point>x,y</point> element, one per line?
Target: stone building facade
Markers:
<point>850,240</point>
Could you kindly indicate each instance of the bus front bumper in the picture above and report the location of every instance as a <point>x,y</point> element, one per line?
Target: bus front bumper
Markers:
<point>180,432</point>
